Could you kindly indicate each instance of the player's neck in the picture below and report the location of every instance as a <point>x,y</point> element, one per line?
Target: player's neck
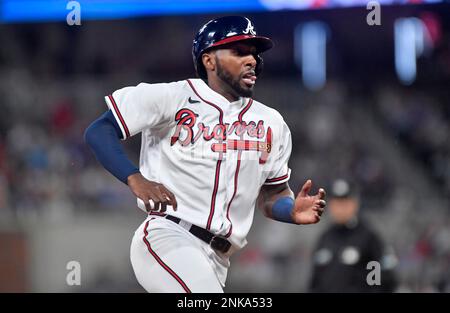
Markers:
<point>223,90</point>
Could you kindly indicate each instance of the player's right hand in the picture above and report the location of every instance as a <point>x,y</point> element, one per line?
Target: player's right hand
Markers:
<point>147,190</point>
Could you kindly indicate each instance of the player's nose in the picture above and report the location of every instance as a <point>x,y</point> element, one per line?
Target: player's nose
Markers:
<point>250,61</point>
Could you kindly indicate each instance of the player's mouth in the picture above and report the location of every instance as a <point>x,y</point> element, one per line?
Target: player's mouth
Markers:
<point>249,78</point>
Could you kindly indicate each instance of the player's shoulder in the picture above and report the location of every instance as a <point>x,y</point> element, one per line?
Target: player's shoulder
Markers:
<point>171,91</point>
<point>268,112</point>
<point>174,85</point>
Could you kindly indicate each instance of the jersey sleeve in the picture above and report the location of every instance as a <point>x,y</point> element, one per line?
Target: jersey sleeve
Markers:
<point>280,171</point>
<point>143,106</point>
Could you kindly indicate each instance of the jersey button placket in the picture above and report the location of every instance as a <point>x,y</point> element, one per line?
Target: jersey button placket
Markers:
<point>227,173</point>
<point>230,168</point>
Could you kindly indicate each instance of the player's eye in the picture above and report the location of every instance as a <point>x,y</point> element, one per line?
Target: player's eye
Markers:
<point>243,50</point>
<point>239,52</point>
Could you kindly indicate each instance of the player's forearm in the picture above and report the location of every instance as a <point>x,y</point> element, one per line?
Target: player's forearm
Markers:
<point>103,137</point>
<point>277,203</point>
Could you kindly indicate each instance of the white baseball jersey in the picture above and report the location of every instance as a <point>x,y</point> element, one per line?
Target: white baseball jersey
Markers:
<point>212,154</point>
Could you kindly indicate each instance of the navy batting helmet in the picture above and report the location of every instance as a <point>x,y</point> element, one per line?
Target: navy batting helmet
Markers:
<point>225,30</point>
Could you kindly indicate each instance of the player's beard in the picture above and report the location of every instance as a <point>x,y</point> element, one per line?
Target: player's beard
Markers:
<point>233,83</point>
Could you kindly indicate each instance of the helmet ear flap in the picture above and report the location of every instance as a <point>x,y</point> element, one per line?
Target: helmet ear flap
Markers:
<point>259,65</point>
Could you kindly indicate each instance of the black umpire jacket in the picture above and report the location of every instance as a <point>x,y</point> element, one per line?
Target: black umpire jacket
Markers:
<point>341,256</point>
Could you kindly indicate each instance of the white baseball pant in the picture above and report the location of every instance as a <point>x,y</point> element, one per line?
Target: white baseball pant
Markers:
<point>166,257</point>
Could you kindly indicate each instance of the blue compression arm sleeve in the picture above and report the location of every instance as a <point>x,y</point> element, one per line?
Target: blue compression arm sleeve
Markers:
<point>103,136</point>
<point>282,209</point>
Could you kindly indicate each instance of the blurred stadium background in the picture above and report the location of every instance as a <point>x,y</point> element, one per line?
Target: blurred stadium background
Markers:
<point>370,103</point>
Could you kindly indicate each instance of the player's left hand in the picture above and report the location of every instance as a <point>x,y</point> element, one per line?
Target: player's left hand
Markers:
<point>308,209</point>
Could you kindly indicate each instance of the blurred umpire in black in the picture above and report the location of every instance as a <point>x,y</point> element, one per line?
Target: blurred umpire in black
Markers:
<point>343,251</point>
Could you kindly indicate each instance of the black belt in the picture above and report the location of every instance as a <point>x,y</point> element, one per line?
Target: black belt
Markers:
<point>217,243</point>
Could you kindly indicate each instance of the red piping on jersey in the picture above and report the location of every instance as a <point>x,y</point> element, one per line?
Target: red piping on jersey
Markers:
<point>249,104</point>
<point>122,121</point>
<point>214,195</point>
<point>219,162</point>
<point>272,180</point>
<point>210,103</point>
<point>164,265</point>
<point>236,174</point>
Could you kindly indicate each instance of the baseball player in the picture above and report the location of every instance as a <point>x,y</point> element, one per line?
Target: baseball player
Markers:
<point>210,154</point>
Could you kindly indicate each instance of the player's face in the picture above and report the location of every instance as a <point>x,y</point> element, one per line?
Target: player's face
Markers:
<point>235,66</point>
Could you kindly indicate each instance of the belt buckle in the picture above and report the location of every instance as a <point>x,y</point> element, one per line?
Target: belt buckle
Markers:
<point>222,245</point>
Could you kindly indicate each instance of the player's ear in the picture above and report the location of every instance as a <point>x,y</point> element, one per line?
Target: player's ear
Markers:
<point>209,61</point>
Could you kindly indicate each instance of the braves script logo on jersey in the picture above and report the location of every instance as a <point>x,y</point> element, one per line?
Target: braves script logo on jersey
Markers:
<point>186,121</point>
